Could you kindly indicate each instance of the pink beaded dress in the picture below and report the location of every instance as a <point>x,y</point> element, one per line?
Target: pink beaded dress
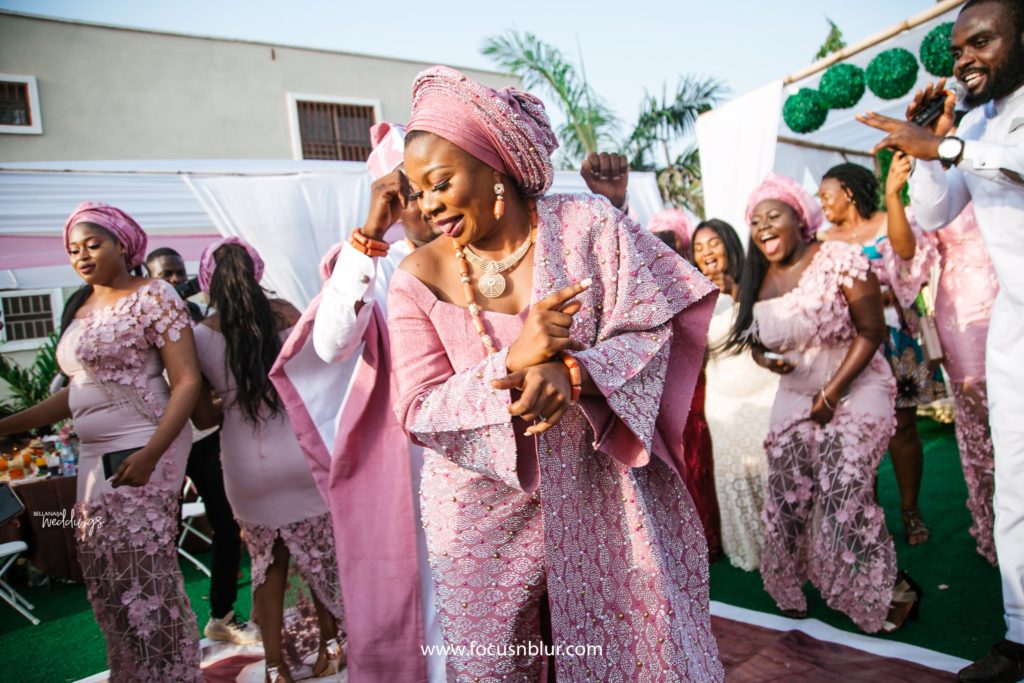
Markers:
<point>821,519</point>
<point>127,536</point>
<point>592,515</point>
<point>270,486</point>
<point>963,307</point>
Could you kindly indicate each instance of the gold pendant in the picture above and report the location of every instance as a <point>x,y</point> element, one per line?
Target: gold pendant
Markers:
<point>491,285</point>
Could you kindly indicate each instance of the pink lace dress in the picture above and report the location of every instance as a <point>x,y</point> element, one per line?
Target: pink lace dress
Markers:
<point>821,519</point>
<point>269,485</point>
<point>127,536</point>
<point>963,307</point>
<point>591,515</point>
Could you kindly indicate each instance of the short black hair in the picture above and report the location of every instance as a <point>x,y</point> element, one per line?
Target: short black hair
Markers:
<point>1015,8</point>
<point>161,252</point>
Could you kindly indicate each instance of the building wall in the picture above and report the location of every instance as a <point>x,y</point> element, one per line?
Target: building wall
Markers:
<point>109,93</point>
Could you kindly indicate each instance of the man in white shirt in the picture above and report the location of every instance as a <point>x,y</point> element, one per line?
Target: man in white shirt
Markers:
<point>984,163</point>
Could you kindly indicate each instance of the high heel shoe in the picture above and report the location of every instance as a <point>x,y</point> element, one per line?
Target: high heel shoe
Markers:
<point>914,527</point>
<point>906,602</point>
<point>329,660</point>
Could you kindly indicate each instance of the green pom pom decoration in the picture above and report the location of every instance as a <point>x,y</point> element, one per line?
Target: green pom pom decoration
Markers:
<point>805,111</point>
<point>892,74</point>
<point>935,54</point>
<point>842,86</point>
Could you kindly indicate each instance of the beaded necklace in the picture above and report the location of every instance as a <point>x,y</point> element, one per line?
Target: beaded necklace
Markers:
<point>467,288</point>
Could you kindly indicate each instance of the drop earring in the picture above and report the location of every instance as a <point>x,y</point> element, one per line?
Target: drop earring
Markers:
<point>499,201</point>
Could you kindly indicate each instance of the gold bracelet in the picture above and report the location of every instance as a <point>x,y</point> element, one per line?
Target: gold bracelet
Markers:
<point>825,399</point>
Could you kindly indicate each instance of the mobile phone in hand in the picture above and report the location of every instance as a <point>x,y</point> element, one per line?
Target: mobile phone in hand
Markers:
<point>112,461</point>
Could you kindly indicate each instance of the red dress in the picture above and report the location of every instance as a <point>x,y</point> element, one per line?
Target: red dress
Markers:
<point>700,470</point>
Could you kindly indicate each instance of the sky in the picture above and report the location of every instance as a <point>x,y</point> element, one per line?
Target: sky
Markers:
<point>627,47</point>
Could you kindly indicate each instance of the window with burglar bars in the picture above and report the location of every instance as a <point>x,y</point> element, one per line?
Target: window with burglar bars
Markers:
<point>27,316</point>
<point>339,132</point>
<point>14,104</point>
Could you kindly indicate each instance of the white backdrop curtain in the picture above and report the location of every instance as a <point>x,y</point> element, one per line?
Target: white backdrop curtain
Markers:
<point>290,220</point>
<point>737,150</point>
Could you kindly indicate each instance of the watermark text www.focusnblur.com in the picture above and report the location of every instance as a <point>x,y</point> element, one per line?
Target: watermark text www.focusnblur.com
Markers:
<point>475,649</point>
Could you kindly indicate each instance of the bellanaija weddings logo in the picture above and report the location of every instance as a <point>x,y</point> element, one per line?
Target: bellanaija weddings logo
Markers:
<point>66,518</point>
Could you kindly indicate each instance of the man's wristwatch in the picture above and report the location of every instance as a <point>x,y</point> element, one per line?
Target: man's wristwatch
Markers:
<point>951,150</point>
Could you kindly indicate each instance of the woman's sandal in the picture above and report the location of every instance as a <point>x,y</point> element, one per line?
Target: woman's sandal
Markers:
<point>914,527</point>
<point>329,660</point>
<point>906,603</point>
<point>794,613</point>
<point>278,673</point>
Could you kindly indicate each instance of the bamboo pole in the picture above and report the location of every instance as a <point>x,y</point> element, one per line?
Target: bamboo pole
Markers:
<point>845,151</point>
<point>850,51</point>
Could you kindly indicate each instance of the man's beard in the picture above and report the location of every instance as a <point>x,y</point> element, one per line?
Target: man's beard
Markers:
<point>1008,77</point>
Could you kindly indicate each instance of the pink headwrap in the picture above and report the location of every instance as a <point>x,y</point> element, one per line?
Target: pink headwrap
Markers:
<point>787,190</point>
<point>122,226</point>
<point>388,141</point>
<point>207,263</point>
<point>672,220</point>
<point>506,129</point>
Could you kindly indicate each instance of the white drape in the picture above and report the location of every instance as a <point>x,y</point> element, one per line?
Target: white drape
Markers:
<point>291,220</point>
<point>737,150</point>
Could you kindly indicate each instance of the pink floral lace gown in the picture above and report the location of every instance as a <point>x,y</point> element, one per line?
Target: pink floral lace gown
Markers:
<point>821,519</point>
<point>127,540</point>
<point>963,307</point>
<point>269,485</point>
<point>593,512</point>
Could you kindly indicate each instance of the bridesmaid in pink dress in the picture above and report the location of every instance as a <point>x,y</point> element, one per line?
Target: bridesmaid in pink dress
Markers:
<point>548,477</point>
<point>963,307</point>
<point>965,294</point>
<point>120,333</point>
<point>812,312</point>
<point>271,490</point>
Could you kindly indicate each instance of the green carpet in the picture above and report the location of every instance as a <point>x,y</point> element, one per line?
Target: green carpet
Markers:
<point>68,645</point>
<point>962,619</point>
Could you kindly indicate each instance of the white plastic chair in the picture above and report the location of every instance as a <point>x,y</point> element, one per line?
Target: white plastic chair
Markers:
<point>8,554</point>
<point>189,512</point>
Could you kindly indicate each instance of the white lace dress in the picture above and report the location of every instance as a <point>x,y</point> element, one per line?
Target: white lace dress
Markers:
<point>737,405</point>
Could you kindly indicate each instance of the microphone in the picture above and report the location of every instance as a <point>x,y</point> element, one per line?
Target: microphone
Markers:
<point>932,109</point>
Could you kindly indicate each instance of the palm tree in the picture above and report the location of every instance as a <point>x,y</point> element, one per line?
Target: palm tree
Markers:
<point>590,125</point>
<point>662,122</point>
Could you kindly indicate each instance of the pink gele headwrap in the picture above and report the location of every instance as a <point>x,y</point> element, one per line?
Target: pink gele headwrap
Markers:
<point>787,190</point>
<point>388,141</point>
<point>122,226</point>
<point>672,220</point>
<point>506,129</point>
<point>208,264</point>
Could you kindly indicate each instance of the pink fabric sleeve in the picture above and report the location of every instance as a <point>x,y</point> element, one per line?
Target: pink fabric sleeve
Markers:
<point>649,323</point>
<point>162,312</point>
<point>906,278</point>
<point>457,414</point>
<point>629,371</point>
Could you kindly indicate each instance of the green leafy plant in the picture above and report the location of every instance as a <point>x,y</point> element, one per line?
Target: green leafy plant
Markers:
<point>936,55</point>
<point>833,41</point>
<point>31,385</point>
<point>663,121</point>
